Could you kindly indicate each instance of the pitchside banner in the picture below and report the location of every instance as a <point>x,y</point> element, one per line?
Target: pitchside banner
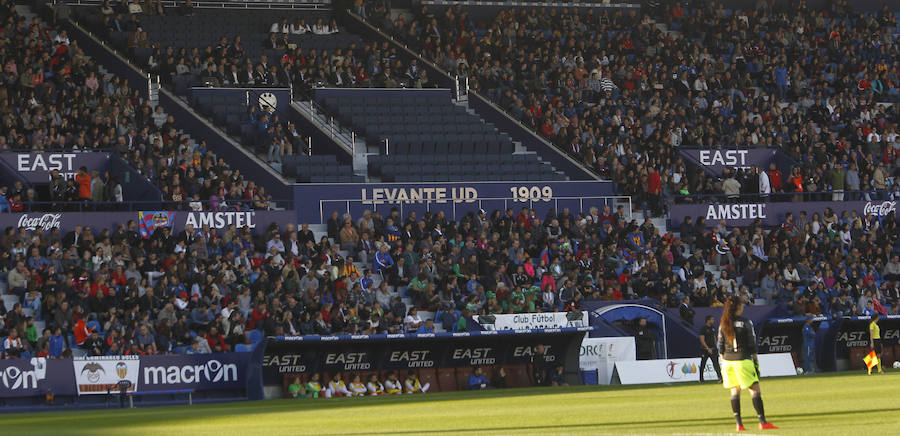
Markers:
<point>102,374</point>
<point>595,351</point>
<point>601,355</point>
<point>716,160</point>
<point>34,377</point>
<point>783,335</point>
<point>36,167</point>
<point>688,370</point>
<point>96,375</point>
<point>317,202</point>
<point>854,332</point>
<point>524,321</point>
<point>66,221</point>
<point>772,214</point>
<point>203,372</point>
<point>309,354</point>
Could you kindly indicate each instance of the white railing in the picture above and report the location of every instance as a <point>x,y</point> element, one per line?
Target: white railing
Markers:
<point>455,210</point>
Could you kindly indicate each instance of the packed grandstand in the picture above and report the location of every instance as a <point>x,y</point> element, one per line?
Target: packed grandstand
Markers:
<point>618,92</point>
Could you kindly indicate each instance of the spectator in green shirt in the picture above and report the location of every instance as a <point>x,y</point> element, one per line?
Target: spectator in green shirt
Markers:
<point>314,386</point>
<point>461,322</point>
<point>31,333</point>
<point>296,389</point>
<point>836,179</point>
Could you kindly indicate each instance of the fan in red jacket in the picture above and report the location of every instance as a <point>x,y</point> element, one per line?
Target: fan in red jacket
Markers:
<point>216,341</point>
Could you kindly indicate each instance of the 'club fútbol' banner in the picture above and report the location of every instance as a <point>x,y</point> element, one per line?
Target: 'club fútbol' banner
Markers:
<point>525,321</point>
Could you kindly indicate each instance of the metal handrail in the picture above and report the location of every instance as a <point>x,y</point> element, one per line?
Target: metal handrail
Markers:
<point>476,204</point>
<point>140,205</point>
<point>236,4</point>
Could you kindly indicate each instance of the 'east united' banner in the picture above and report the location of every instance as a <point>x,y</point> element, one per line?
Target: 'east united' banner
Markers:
<point>98,375</point>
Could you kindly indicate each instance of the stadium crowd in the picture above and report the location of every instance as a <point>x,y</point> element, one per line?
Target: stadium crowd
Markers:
<point>110,291</point>
<point>611,87</point>
<point>226,63</point>
<point>56,98</point>
<point>201,290</point>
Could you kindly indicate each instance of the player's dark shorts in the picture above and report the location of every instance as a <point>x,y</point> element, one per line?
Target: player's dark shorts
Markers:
<point>877,346</point>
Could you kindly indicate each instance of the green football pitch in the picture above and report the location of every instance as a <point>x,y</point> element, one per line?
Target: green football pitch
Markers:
<point>832,404</point>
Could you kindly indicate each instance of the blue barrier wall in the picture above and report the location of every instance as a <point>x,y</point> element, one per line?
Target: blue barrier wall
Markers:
<point>321,94</point>
<point>316,202</point>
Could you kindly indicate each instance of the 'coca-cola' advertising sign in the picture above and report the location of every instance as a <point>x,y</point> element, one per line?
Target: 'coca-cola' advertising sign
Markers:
<point>881,209</point>
<point>46,222</point>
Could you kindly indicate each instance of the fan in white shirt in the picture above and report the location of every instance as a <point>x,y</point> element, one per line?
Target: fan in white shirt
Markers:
<point>300,27</point>
<point>412,320</point>
<point>280,27</point>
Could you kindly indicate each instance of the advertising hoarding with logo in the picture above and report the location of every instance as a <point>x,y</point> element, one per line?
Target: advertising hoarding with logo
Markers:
<point>783,335</point>
<point>716,160</point>
<point>96,375</point>
<point>351,353</point>
<point>773,214</point>
<point>524,321</point>
<point>400,356</point>
<point>854,332</point>
<point>688,370</point>
<point>102,374</point>
<point>601,354</point>
<point>35,376</point>
<point>148,221</point>
<point>594,351</point>
<point>202,372</point>
<point>36,167</point>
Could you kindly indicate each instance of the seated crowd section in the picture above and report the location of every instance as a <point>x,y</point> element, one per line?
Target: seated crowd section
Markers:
<point>298,49</point>
<point>110,291</point>
<point>216,47</point>
<point>623,89</point>
<point>56,98</point>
